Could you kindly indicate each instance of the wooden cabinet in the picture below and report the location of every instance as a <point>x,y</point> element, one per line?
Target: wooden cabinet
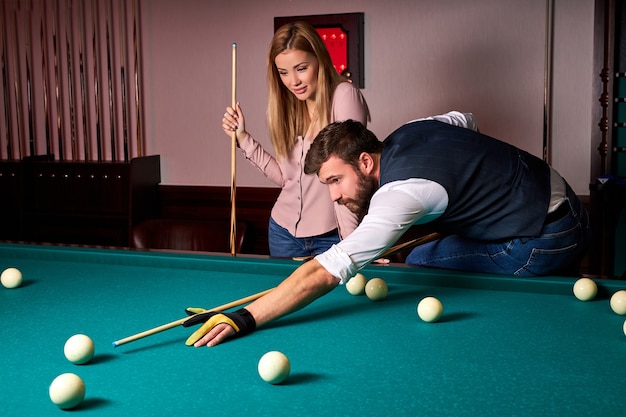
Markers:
<point>85,203</point>
<point>10,199</point>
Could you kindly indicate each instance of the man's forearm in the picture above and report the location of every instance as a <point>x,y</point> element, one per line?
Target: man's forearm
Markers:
<point>307,283</point>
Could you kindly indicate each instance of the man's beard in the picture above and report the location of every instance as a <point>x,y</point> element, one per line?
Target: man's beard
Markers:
<point>366,187</point>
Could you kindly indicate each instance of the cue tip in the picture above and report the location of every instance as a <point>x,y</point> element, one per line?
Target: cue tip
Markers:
<point>115,344</point>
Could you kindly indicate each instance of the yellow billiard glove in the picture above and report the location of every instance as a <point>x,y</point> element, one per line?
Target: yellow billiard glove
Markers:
<point>194,310</point>
<point>241,321</point>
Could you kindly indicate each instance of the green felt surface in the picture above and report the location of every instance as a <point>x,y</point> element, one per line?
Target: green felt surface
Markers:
<point>503,347</point>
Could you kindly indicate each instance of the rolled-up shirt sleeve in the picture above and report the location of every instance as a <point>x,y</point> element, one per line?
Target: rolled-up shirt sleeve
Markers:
<point>394,208</point>
<point>454,118</point>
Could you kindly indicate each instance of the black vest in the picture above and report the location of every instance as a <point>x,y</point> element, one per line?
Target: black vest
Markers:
<point>495,190</point>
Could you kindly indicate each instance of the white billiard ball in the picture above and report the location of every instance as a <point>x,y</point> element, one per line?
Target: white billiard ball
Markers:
<point>356,284</point>
<point>376,289</point>
<point>274,367</point>
<point>430,309</point>
<point>11,278</point>
<point>79,349</point>
<point>67,390</point>
<point>585,289</point>
<point>625,328</point>
<point>618,302</point>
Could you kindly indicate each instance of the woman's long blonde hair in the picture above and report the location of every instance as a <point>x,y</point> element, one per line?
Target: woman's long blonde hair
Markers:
<point>287,116</point>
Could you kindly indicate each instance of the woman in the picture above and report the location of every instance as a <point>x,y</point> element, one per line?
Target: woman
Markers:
<point>305,94</point>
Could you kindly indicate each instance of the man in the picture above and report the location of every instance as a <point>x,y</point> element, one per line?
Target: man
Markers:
<point>500,209</point>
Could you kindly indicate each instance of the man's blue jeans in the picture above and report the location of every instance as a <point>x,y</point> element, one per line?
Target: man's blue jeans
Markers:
<point>557,251</point>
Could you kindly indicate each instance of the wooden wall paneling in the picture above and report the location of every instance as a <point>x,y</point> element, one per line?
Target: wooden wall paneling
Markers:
<point>253,206</point>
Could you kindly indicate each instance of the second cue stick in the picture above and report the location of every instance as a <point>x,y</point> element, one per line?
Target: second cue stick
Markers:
<point>233,160</point>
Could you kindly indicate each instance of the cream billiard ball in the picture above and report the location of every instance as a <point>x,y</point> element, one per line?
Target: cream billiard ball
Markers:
<point>356,284</point>
<point>376,289</point>
<point>585,289</point>
<point>67,390</point>
<point>618,302</point>
<point>429,309</point>
<point>274,367</point>
<point>11,278</point>
<point>79,349</point>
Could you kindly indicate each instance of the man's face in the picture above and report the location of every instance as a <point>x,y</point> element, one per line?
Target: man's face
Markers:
<point>348,186</point>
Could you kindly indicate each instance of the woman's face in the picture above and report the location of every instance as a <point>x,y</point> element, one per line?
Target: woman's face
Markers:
<point>298,72</point>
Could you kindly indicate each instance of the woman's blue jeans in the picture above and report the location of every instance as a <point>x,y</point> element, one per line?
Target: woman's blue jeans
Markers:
<point>284,245</point>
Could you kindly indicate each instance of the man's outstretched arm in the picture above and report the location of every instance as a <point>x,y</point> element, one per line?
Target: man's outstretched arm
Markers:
<point>306,284</point>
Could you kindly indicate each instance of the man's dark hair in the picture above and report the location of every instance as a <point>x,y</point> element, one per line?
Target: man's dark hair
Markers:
<point>345,140</point>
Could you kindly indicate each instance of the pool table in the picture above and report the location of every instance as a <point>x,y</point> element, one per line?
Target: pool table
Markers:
<point>504,346</point>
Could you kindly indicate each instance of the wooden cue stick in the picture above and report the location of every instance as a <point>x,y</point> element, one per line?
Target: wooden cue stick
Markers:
<point>411,244</point>
<point>233,159</point>
<point>179,322</point>
<point>394,249</point>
